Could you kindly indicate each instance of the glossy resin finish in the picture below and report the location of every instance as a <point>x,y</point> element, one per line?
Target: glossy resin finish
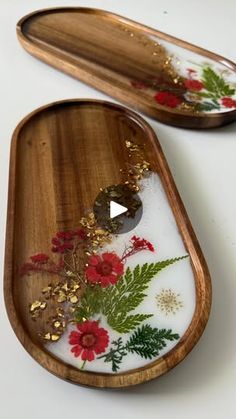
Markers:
<point>70,314</point>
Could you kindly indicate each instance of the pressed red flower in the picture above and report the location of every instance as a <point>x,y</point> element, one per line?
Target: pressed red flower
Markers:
<point>137,244</point>
<point>89,339</point>
<point>191,84</point>
<point>65,235</point>
<point>105,269</point>
<point>81,233</point>
<point>228,102</point>
<point>141,244</point>
<point>62,242</point>
<point>168,99</point>
<point>40,258</point>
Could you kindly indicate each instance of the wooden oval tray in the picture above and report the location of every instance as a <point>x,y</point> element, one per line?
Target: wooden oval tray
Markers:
<point>164,77</point>
<point>79,321</point>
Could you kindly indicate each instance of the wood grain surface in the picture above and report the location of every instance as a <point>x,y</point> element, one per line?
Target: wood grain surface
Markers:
<point>100,48</point>
<point>61,155</point>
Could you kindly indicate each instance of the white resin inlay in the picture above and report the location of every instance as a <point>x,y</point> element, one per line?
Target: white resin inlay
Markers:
<point>159,227</point>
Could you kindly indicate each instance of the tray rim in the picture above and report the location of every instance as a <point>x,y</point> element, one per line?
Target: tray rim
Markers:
<point>204,296</point>
<point>56,59</point>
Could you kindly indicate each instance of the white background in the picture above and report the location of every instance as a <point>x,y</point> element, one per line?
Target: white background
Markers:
<point>204,167</point>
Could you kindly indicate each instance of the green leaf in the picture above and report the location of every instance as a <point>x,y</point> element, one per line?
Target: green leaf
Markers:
<point>90,303</point>
<point>124,324</point>
<point>115,355</point>
<point>146,342</point>
<point>215,84</point>
<point>120,299</point>
<point>207,106</point>
<point>117,301</point>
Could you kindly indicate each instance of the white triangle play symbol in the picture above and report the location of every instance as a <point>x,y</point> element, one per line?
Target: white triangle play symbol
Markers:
<point>116,209</point>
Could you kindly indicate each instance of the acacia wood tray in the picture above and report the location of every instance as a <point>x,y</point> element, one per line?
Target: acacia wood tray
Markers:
<point>125,60</point>
<point>61,155</point>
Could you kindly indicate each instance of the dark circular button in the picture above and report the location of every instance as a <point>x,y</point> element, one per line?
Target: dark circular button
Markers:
<point>118,209</point>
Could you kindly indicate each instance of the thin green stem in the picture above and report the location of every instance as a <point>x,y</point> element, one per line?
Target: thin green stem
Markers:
<point>83,365</point>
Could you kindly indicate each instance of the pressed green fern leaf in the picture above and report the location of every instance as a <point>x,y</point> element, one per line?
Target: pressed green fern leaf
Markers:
<point>215,84</point>
<point>128,294</point>
<point>145,341</point>
<point>148,342</point>
<point>90,303</point>
<point>117,301</point>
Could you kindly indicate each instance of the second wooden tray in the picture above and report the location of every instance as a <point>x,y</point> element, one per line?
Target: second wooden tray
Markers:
<point>164,77</point>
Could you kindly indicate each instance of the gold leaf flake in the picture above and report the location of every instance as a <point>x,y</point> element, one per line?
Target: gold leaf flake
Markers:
<point>54,338</point>
<point>62,297</point>
<point>47,336</point>
<point>36,305</point>
<point>74,299</point>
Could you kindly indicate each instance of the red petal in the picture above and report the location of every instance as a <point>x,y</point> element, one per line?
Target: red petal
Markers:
<point>74,338</point>
<point>92,274</point>
<point>119,268</point>
<point>113,279</point>
<point>87,355</point>
<point>94,260</point>
<point>76,350</point>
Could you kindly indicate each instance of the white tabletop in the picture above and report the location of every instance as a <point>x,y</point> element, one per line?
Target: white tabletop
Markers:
<point>203,164</point>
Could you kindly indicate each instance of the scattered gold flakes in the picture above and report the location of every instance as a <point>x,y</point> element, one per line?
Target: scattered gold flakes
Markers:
<point>88,222</point>
<point>168,301</point>
<point>35,305</point>
<point>138,167</point>
<point>188,107</point>
<point>131,145</point>
<point>97,236</point>
<point>163,63</point>
<point>36,308</point>
<point>51,336</point>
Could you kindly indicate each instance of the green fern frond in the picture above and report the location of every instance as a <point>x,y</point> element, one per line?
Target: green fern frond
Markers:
<point>117,301</point>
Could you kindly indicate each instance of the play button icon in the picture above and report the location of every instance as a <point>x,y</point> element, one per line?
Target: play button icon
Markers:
<point>117,209</point>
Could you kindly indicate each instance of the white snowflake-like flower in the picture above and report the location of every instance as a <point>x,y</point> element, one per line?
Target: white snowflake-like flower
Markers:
<point>168,301</point>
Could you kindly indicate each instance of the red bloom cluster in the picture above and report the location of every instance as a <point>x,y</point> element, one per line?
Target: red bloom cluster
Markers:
<point>64,240</point>
<point>89,339</point>
<point>228,102</point>
<point>141,244</point>
<point>168,99</point>
<point>195,85</point>
<point>137,244</point>
<point>40,258</point>
<point>105,269</point>
<point>41,263</point>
